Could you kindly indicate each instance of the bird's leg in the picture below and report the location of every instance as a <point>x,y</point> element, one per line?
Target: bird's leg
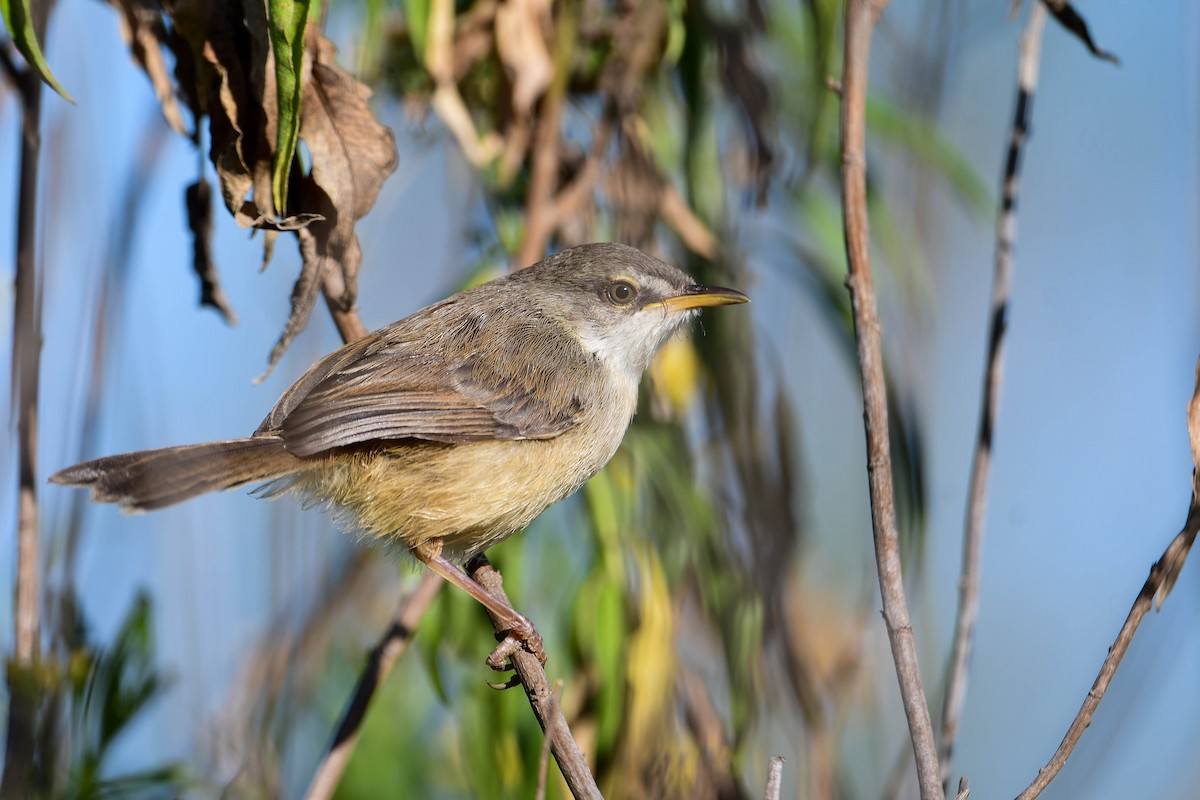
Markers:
<point>520,630</point>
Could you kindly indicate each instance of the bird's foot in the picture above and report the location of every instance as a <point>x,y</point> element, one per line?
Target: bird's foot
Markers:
<point>521,634</point>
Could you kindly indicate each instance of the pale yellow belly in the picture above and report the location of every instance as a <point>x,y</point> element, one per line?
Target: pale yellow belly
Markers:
<point>465,496</point>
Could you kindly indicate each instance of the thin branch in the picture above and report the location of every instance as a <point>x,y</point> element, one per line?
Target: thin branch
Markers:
<point>350,326</point>
<point>571,761</point>
<point>26,369</point>
<point>1006,234</point>
<point>380,662</point>
<point>689,227</point>
<point>861,16</point>
<point>1158,585</point>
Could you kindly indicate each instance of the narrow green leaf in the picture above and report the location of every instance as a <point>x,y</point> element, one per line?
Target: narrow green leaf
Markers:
<point>20,27</point>
<point>416,14</point>
<point>922,138</point>
<point>286,22</point>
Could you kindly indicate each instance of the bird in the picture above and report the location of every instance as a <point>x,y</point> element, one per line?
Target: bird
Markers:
<point>455,427</point>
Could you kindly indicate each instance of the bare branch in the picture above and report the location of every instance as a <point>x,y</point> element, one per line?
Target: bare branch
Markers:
<point>861,16</point>
<point>571,761</point>
<point>380,662</point>
<point>1154,591</point>
<point>976,512</point>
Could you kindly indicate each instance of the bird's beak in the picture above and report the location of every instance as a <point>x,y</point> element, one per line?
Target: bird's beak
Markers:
<point>701,296</point>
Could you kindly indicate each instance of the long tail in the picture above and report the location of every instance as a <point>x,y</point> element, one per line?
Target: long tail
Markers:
<point>150,479</point>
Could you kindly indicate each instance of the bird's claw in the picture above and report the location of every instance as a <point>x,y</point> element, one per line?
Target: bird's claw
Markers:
<point>513,680</point>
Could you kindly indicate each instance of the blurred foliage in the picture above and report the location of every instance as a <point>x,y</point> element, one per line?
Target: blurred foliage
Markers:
<point>111,686</point>
<point>87,697</point>
<point>662,125</point>
<point>666,125</point>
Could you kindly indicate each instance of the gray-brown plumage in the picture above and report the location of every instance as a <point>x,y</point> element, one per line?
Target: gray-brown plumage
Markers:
<point>456,426</point>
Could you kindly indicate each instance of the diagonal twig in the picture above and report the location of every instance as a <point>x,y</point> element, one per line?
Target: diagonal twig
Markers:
<point>861,16</point>
<point>976,510</point>
<point>1163,575</point>
<point>571,761</point>
<point>379,663</point>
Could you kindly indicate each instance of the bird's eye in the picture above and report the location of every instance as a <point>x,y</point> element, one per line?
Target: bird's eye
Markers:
<point>621,293</point>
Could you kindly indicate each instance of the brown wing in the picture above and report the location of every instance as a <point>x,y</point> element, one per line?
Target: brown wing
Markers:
<point>466,383</point>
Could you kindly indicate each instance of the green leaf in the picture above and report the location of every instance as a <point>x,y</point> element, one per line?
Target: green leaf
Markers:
<point>287,21</point>
<point>20,27</point>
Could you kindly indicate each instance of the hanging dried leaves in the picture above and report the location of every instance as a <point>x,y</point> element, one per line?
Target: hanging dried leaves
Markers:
<point>225,72</point>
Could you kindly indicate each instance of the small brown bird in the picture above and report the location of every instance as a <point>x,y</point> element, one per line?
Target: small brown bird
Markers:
<point>454,427</point>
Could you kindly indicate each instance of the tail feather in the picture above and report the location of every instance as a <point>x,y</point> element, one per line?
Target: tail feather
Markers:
<point>150,479</point>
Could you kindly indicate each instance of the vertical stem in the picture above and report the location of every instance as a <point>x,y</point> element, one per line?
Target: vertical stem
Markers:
<point>861,16</point>
<point>27,346</point>
<point>976,511</point>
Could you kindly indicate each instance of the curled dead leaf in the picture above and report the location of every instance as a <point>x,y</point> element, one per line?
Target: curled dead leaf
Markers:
<point>198,197</point>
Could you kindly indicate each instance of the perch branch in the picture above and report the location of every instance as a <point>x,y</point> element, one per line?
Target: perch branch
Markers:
<point>571,761</point>
<point>861,16</point>
<point>1158,585</point>
<point>976,512</point>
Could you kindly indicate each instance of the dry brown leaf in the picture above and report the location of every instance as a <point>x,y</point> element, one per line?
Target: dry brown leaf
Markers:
<point>142,28</point>
<point>240,149</point>
<point>199,215</point>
